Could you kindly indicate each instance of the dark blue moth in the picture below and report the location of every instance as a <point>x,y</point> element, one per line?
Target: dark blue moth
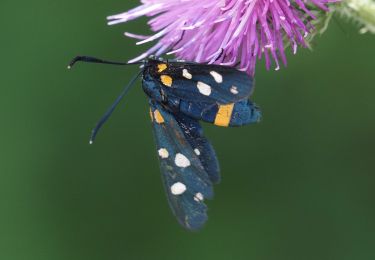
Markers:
<point>180,95</point>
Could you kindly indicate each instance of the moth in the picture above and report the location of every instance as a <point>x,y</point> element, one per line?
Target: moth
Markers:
<point>180,95</point>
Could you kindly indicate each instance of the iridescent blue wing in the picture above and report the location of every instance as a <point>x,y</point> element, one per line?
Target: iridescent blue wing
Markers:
<point>185,180</point>
<point>209,83</point>
<point>201,82</point>
<point>201,146</point>
<point>211,93</point>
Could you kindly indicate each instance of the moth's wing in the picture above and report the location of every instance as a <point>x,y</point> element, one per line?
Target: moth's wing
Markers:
<point>185,180</point>
<point>206,83</point>
<point>200,145</point>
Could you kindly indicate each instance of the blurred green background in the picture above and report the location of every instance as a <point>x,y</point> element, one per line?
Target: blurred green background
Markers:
<point>297,186</point>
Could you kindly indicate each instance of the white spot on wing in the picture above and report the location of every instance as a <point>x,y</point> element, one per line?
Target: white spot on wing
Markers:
<point>181,161</point>
<point>203,88</point>
<point>186,74</point>
<point>217,77</point>
<point>198,197</point>
<point>178,188</point>
<point>163,153</point>
<point>234,90</point>
<point>197,152</point>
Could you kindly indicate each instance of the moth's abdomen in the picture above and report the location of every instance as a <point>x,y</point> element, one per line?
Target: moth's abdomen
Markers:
<point>233,114</point>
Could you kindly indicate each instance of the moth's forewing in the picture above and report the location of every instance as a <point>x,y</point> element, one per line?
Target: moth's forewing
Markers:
<point>202,148</point>
<point>208,83</point>
<point>185,180</point>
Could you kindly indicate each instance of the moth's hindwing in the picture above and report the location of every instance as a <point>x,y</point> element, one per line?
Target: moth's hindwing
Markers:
<point>201,146</point>
<point>185,180</point>
<point>202,82</point>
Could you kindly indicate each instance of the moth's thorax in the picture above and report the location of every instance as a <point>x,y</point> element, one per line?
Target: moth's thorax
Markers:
<point>151,87</point>
<point>155,74</point>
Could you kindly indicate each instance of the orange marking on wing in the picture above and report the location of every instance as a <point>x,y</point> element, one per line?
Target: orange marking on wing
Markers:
<point>162,67</point>
<point>158,117</point>
<point>152,117</point>
<point>166,80</point>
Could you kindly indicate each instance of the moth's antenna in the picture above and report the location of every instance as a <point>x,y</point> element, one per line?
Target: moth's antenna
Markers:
<point>96,60</point>
<point>107,114</point>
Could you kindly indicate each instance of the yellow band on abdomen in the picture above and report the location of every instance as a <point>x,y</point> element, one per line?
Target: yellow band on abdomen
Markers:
<point>224,115</point>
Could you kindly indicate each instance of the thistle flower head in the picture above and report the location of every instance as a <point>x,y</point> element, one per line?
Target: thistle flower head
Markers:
<point>227,32</point>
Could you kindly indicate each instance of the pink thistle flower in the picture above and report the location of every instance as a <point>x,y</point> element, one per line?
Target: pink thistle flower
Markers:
<point>227,32</point>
